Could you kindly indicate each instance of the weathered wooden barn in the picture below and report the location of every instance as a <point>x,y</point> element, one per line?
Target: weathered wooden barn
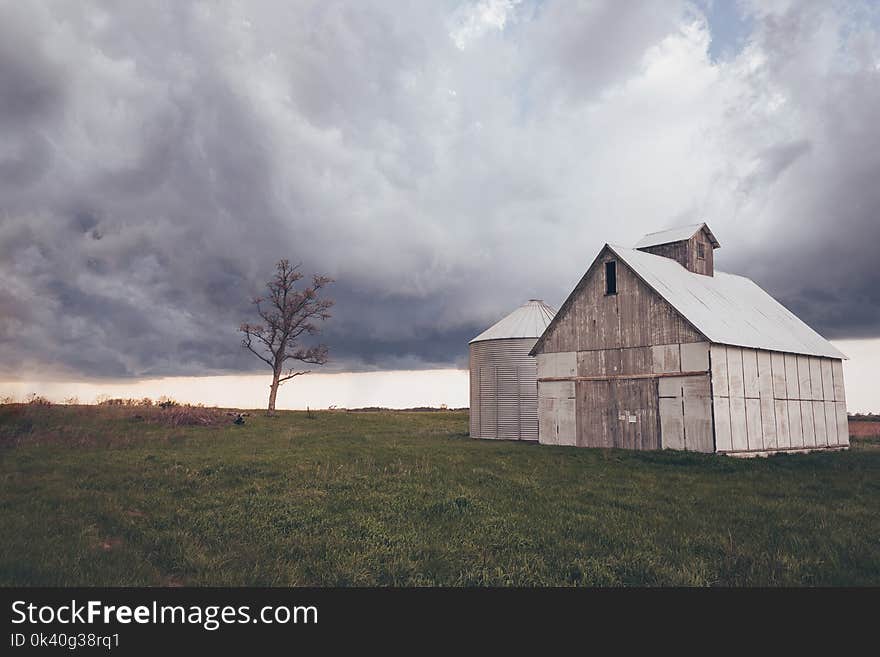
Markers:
<point>655,349</point>
<point>504,401</point>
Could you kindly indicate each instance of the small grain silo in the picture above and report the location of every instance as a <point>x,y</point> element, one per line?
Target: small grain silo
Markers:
<point>504,389</point>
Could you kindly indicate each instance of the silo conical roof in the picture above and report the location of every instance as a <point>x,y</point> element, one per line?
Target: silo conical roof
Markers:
<point>527,321</point>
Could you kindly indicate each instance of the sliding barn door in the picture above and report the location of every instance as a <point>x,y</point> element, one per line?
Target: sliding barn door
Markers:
<point>618,413</point>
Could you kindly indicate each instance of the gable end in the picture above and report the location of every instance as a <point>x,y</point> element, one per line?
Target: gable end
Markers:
<point>635,316</point>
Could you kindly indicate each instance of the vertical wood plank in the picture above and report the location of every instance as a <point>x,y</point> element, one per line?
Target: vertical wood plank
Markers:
<point>765,391</point>
<point>739,437</point>
<point>768,422</point>
<point>547,434</point>
<point>777,364</point>
<point>804,388</point>
<point>791,377</point>
<point>589,416</point>
<point>831,422</point>
<point>698,421</point>
<point>827,380</point>
<point>649,414</point>
<point>808,424</point>
<point>819,423</point>
<point>750,373</point>
<point>842,423</point>
<point>795,426</point>
<point>735,372</point>
<point>566,422</point>
<point>605,408</point>
<point>753,424</point>
<point>624,435</point>
<point>765,375</point>
<point>671,423</point>
<point>783,435</point>
<point>837,375</point>
<point>718,355</point>
<point>816,379</point>
<point>721,412</point>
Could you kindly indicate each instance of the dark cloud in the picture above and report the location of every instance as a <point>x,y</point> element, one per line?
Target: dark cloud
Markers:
<point>443,161</point>
<point>814,201</point>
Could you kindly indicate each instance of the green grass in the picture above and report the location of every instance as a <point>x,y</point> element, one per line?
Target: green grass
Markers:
<point>92,497</point>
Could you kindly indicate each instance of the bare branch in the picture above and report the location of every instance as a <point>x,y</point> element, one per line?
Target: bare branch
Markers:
<point>292,374</point>
<point>246,342</point>
<point>288,313</point>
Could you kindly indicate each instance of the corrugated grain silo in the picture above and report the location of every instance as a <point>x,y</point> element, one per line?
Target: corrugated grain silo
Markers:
<point>504,389</point>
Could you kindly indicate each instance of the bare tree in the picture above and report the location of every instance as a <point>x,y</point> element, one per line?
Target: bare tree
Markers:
<point>288,314</point>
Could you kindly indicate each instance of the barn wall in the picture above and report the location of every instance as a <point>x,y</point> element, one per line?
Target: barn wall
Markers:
<point>503,390</point>
<point>769,401</point>
<point>635,317</point>
<point>636,397</point>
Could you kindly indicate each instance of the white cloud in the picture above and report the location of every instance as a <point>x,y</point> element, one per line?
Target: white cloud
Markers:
<point>472,20</point>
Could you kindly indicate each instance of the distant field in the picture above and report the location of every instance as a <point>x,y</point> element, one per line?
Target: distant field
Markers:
<point>99,497</point>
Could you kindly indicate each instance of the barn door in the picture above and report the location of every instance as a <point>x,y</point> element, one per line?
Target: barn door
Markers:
<point>635,404</point>
<point>618,413</point>
<point>595,409</point>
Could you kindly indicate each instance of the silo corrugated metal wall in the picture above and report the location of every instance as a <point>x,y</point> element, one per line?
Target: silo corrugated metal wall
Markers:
<point>504,389</point>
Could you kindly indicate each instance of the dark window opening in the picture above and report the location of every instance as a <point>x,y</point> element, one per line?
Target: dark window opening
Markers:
<point>611,277</point>
<point>701,250</point>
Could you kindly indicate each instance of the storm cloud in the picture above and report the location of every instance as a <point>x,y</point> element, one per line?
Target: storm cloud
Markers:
<point>443,161</point>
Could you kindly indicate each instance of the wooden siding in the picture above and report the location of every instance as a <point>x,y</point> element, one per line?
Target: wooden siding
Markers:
<point>674,376</point>
<point>685,253</point>
<point>769,401</point>
<point>556,413</point>
<point>686,413</point>
<point>564,363</point>
<point>634,317</point>
<point>617,413</point>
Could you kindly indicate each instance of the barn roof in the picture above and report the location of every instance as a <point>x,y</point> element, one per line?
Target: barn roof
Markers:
<point>726,308</point>
<point>676,234</point>
<point>527,321</point>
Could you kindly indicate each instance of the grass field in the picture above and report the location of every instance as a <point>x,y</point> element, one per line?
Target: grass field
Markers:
<point>96,497</point>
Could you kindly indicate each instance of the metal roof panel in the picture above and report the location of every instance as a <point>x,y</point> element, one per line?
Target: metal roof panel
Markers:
<point>676,234</point>
<point>726,308</point>
<point>527,321</point>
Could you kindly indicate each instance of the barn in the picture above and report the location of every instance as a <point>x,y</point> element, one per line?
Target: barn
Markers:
<point>656,349</point>
<point>504,401</point>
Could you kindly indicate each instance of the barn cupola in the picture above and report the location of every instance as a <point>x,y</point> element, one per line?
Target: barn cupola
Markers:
<point>691,246</point>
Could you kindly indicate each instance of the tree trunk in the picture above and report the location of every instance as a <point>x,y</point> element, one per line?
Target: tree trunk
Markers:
<point>273,392</point>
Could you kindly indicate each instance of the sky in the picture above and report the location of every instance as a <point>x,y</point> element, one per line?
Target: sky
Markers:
<point>443,161</point>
